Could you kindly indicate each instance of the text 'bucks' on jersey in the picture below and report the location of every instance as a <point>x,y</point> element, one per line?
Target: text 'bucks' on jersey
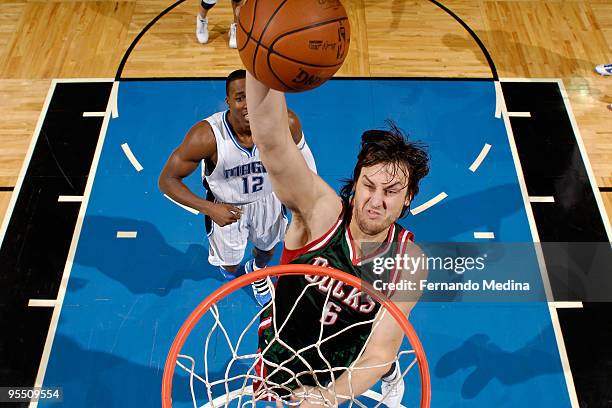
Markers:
<point>343,337</point>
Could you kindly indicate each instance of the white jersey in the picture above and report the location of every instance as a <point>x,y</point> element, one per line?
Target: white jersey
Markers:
<point>239,176</point>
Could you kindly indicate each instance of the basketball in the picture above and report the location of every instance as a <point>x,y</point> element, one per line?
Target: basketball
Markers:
<point>293,46</point>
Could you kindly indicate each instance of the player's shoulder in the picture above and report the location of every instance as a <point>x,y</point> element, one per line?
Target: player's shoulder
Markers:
<point>199,143</point>
<point>294,126</point>
<point>201,132</point>
<point>216,119</point>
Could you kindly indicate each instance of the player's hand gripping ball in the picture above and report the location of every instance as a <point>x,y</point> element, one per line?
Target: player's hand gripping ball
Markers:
<point>293,45</point>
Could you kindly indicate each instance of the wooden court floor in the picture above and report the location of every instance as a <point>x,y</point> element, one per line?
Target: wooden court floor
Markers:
<point>44,40</point>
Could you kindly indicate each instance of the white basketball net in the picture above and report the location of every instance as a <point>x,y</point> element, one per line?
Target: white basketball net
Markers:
<point>244,395</point>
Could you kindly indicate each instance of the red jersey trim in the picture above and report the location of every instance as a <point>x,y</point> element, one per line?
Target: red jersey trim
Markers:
<point>358,261</point>
<point>405,236</point>
<point>289,255</point>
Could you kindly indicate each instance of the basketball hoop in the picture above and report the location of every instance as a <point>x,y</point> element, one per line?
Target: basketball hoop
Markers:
<point>210,305</point>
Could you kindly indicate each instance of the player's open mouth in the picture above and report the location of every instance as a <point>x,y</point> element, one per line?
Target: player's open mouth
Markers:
<point>373,214</point>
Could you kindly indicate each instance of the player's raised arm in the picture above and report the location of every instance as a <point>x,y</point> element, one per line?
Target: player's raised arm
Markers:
<point>300,140</point>
<point>296,186</point>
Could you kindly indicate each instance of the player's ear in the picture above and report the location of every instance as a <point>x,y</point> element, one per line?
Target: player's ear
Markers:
<point>227,100</point>
<point>407,200</point>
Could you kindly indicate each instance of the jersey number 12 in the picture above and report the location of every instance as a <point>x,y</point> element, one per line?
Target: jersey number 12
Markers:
<point>256,184</point>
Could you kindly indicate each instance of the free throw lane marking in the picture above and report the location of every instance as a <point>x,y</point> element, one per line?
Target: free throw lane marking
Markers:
<point>499,99</point>
<point>93,114</point>
<point>191,210</point>
<point>128,153</point>
<point>429,203</point>
<point>481,156</point>
<point>42,302</point>
<point>69,199</point>
<point>519,114</point>
<point>113,100</point>
<point>567,305</point>
<point>541,199</point>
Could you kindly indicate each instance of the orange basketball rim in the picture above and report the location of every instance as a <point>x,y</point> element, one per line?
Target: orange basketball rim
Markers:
<point>284,270</point>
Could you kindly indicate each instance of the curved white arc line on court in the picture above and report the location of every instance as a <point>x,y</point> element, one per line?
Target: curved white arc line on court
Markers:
<point>481,156</point>
<point>429,203</point>
<point>114,96</point>
<point>184,207</point>
<point>498,99</point>
<point>220,401</point>
<point>128,153</point>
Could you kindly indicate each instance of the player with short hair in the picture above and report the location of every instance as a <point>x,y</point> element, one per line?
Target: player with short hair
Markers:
<point>332,230</point>
<point>240,205</point>
<point>202,21</point>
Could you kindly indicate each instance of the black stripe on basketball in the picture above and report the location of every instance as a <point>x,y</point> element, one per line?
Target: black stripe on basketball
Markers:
<point>271,51</point>
<point>262,34</point>
<point>294,60</point>
<point>248,35</point>
<point>320,24</point>
<point>276,76</point>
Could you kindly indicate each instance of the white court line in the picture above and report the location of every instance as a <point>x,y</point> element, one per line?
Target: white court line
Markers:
<point>481,156</point>
<point>114,96</point>
<point>26,162</point>
<point>128,152</point>
<point>429,203</point>
<point>69,199</point>
<point>567,372</point>
<point>79,80</point>
<point>519,114</point>
<point>567,305</point>
<point>587,163</point>
<point>498,99</point>
<point>93,114</point>
<point>519,79</point>
<point>184,207</point>
<point>127,234</point>
<point>484,235</point>
<point>44,361</point>
<point>42,303</point>
<point>542,199</point>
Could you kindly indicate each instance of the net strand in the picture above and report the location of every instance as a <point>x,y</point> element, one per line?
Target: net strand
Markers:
<point>267,392</point>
